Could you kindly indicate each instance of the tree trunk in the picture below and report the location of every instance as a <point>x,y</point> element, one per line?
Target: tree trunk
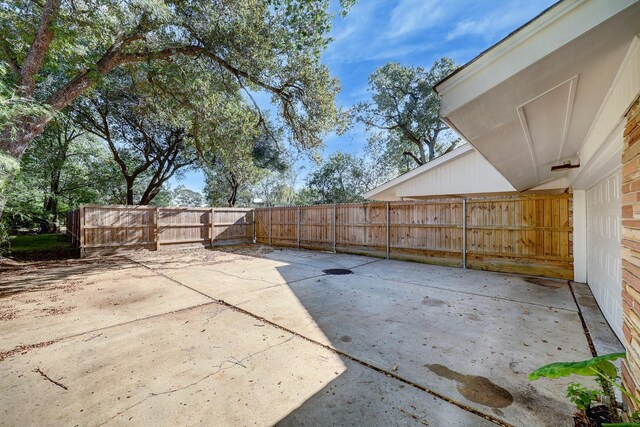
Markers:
<point>432,152</point>
<point>234,195</point>
<point>51,224</point>
<point>129,181</point>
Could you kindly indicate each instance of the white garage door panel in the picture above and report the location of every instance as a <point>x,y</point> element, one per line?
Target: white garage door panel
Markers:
<point>603,248</point>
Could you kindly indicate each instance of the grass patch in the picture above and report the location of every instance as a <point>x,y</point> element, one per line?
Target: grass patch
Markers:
<point>41,247</point>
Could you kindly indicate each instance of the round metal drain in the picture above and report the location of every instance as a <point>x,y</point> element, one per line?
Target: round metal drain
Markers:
<point>337,271</point>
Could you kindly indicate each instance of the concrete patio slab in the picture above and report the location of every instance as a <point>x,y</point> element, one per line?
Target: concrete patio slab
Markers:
<point>393,343</point>
<point>195,372</point>
<point>87,300</point>
<point>413,328</point>
<point>532,290</point>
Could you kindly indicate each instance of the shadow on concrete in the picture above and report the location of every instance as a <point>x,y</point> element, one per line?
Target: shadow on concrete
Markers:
<point>470,336</point>
<point>42,276</point>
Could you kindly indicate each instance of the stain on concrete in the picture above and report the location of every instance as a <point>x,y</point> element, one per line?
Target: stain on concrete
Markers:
<point>475,388</point>
<point>473,317</point>
<point>432,302</point>
<point>54,311</point>
<point>545,283</point>
<point>345,338</point>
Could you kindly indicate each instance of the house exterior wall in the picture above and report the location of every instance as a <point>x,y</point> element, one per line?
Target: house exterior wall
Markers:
<point>631,249</point>
<point>468,174</point>
<point>462,172</point>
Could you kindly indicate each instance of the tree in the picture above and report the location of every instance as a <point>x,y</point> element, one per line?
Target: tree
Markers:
<point>56,148</point>
<point>62,169</point>
<point>404,112</point>
<point>57,50</point>
<point>342,178</point>
<point>248,156</point>
<point>275,189</point>
<point>182,196</point>
<point>144,144</point>
<point>12,107</point>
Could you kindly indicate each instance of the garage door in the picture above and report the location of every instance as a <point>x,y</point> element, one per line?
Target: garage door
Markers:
<point>603,248</point>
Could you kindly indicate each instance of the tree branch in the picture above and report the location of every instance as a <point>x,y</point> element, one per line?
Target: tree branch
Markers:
<point>38,50</point>
<point>414,157</point>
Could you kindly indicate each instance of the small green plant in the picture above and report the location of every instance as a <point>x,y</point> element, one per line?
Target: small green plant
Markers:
<point>606,375</point>
<point>582,397</point>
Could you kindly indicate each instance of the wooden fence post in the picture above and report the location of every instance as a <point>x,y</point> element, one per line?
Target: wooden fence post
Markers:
<point>156,228</point>
<point>253,216</point>
<point>270,223</point>
<point>464,232</point>
<point>335,219</point>
<point>388,232</point>
<point>212,226</point>
<point>73,234</point>
<point>81,232</point>
<point>298,229</point>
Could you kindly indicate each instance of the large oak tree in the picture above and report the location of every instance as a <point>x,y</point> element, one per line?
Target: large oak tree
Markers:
<point>57,50</point>
<point>404,112</point>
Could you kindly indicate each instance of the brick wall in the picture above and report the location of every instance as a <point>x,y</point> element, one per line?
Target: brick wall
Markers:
<point>631,249</point>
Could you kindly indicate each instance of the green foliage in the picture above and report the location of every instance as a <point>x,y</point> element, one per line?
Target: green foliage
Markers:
<point>596,366</point>
<point>404,113</point>
<point>40,242</point>
<point>60,170</point>
<point>221,49</point>
<point>344,178</point>
<point>14,107</point>
<point>183,196</point>
<point>339,179</point>
<point>600,367</point>
<point>632,424</point>
<point>276,188</point>
<point>581,396</point>
<point>248,155</point>
<point>5,243</point>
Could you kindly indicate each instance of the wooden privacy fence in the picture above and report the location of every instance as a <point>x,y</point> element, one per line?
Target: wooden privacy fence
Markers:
<point>519,234</point>
<point>104,229</point>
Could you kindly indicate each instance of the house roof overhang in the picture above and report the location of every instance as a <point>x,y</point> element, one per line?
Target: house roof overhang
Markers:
<point>529,102</point>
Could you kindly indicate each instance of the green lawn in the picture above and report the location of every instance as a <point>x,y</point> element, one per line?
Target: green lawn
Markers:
<point>41,247</point>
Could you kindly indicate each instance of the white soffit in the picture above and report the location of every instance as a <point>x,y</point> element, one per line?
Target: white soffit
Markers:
<point>540,112</point>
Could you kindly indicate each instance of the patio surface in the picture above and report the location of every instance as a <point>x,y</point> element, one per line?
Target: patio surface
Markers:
<point>255,336</point>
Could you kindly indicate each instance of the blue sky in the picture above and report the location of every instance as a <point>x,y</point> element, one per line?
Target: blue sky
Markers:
<point>411,32</point>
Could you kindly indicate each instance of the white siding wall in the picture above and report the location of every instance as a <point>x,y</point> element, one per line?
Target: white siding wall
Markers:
<point>467,174</point>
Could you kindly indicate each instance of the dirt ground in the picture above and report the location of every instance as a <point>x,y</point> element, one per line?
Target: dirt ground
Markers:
<point>254,336</point>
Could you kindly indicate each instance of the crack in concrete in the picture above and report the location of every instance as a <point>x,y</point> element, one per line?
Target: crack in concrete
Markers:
<point>585,328</point>
<point>48,378</point>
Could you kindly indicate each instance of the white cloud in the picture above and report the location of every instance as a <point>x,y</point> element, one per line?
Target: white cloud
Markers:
<point>410,16</point>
